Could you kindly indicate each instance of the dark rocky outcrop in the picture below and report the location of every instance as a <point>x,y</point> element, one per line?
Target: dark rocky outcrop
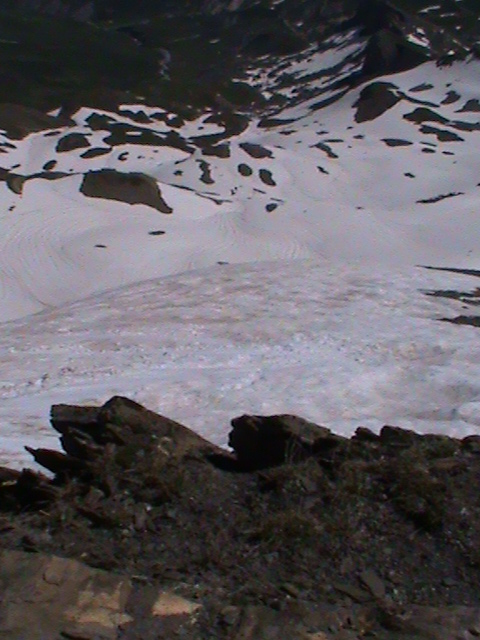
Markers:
<point>150,49</point>
<point>19,121</point>
<point>390,52</point>
<point>256,150</point>
<point>266,441</point>
<point>16,182</point>
<point>374,100</point>
<point>132,188</point>
<point>298,533</point>
<point>72,141</point>
<point>99,444</point>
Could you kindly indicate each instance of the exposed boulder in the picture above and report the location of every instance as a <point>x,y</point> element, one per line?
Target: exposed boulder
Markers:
<point>44,596</point>
<point>15,182</point>
<point>50,597</point>
<point>132,188</point>
<point>123,422</point>
<point>265,441</point>
<point>65,416</point>
<point>100,446</point>
<point>256,150</point>
<point>135,421</point>
<point>72,141</point>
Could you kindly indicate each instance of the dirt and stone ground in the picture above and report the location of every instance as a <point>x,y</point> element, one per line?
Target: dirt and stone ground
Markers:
<point>299,533</point>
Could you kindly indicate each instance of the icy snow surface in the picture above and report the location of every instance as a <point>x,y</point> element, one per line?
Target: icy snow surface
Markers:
<point>321,309</point>
<point>340,345</point>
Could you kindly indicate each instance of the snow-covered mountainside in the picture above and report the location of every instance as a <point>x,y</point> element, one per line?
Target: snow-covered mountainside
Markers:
<point>334,145</point>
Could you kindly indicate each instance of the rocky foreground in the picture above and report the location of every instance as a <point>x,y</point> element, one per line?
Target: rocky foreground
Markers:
<point>143,529</point>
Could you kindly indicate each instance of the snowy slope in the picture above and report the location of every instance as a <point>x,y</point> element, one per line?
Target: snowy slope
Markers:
<point>340,345</point>
<point>399,188</point>
<point>334,195</point>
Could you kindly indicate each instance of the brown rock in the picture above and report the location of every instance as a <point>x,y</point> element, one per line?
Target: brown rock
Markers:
<point>46,596</point>
<point>397,436</point>
<point>121,421</point>
<point>265,441</point>
<point>132,188</point>
<point>56,462</point>
<point>72,141</point>
<point>65,416</point>
<point>171,604</point>
<point>128,415</point>
<point>256,150</point>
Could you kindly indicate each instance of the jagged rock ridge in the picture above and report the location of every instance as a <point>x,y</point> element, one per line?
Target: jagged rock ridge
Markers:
<point>297,529</point>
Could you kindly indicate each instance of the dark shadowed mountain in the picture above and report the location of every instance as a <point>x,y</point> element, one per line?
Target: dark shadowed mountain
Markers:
<point>195,52</point>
